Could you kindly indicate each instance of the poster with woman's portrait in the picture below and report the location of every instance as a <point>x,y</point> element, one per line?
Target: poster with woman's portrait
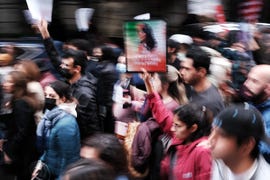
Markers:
<point>145,45</point>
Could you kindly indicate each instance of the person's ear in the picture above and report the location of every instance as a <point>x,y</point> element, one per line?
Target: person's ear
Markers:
<point>248,146</point>
<point>202,71</point>
<point>193,128</point>
<point>78,69</point>
<point>267,89</point>
<point>62,99</point>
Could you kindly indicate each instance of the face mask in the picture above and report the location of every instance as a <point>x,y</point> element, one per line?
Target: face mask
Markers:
<point>65,72</point>
<point>121,68</point>
<point>181,56</point>
<point>50,103</point>
<point>95,58</point>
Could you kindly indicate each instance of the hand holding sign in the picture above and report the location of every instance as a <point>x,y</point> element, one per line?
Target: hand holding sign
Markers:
<point>40,9</point>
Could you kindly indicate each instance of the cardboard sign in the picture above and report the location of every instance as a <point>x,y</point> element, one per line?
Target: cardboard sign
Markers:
<point>145,45</point>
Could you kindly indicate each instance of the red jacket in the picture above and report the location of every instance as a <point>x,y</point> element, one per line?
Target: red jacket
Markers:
<point>193,161</point>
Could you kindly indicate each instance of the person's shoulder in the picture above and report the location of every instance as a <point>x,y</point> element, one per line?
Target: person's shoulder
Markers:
<point>263,170</point>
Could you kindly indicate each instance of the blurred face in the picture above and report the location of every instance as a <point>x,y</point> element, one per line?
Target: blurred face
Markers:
<point>67,67</point>
<point>188,72</point>
<point>69,46</point>
<point>51,94</point>
<point>89,152</point>
<point>180,129</point>
<point>19,67</point>
<point>223,146</point>
<point>8,85</point>
<point>254,86</point>
<point>97,52</point>
<point>5,59</point>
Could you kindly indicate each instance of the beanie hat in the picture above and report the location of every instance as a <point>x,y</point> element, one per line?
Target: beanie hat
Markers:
<point>241,120</point>
<point>61,88</point>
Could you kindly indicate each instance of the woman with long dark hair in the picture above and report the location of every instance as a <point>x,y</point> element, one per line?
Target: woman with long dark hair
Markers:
<point>19,149</point>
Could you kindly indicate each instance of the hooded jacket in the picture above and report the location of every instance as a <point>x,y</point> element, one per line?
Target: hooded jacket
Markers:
<point>190,161</point>
<point>60,150</point>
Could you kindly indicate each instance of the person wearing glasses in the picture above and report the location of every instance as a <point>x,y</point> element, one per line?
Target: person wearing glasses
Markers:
<point>188,156</point>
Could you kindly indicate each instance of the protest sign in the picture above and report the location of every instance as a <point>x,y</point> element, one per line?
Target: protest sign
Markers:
<point>145,45</point>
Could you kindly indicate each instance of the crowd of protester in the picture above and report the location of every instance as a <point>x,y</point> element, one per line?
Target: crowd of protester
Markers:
<point>86,117</point>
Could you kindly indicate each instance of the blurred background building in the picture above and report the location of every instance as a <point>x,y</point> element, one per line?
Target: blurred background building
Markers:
<point>108,17</point>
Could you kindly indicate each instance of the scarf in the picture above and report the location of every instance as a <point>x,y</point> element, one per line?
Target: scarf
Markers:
<point>45,126</point>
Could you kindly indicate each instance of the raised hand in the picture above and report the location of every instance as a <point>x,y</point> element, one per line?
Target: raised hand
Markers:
<point>43,29</point>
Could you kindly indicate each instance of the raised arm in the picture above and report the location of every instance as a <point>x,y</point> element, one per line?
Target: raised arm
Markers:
<point>52,53</point>
<point>162,115</point>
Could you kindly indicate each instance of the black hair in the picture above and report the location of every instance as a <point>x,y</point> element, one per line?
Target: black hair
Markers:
<point>242,121</point>
<point>150,40</point>
<point>201,59</point>
<point>191,114</point>
<point>110,150</point>
<point>110,54</point>
<point>78,56</point>
<point>61,88</point>
<point>85,169</point>
<point>81,44</point>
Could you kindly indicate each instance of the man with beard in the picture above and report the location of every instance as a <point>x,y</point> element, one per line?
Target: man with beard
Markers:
<point>256,90</point>
<point>194,70</point>
<point>83,88</point>
<point>72,66</point>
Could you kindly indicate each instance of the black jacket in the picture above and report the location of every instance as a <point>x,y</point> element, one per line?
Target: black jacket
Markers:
<point>85,91</point>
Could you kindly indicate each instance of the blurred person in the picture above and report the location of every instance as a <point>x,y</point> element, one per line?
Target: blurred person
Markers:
<point>58,135</point>
<point>255,90</point>
<point>54,55</point>
<point>149,143</point>
<point>170,89</point>
<point>8,56</point>
<point>6,66</point>
<point>107,76</point>
<point>189,126</point>
<point>178,45</point>
<point>84,89</point>
<point>32,73</point>
<point>83,85</point>
<point>94,59</point>
<point>86,169</point>
<point>46,76</point>
<point>78,44</point>
<point>234,142</point>
<point>107,148</point>
<point>194,71</point>
<point>236,50</point>
<point>18,148</point>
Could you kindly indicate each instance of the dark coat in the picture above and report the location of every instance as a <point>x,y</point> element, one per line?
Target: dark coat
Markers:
<point>84,90</point>
<point>21,138</point>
